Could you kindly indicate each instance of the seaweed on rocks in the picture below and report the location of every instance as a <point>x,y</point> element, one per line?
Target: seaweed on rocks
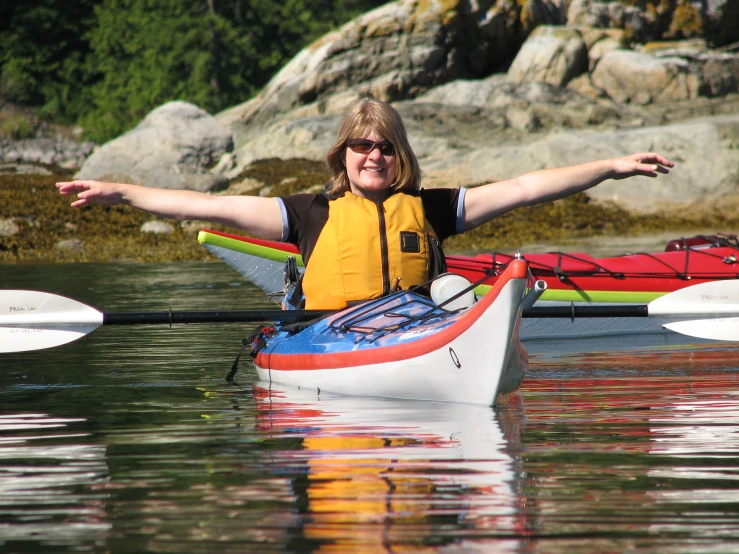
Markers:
<point>37,224</point>
<point>45,229</point>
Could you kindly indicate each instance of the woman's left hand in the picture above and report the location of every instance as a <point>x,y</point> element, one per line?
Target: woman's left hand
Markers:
<point>648,164</point>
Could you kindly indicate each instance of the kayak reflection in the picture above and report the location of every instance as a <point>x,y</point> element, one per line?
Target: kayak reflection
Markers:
<point>379,473</point>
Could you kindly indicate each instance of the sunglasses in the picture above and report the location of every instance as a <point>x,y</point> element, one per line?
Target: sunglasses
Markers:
<point>364,146</point>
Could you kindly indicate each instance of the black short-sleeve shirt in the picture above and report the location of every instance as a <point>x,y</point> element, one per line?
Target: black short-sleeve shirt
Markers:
<point>307,214</point>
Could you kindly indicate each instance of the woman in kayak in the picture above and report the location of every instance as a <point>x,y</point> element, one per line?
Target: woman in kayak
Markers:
<point>374,230</point>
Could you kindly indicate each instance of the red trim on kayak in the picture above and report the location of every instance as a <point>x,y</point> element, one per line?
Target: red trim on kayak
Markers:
<point>517,269</point>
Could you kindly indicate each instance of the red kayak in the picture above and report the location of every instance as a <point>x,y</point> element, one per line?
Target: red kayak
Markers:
<point>638,277</point>
<point>572,277</point>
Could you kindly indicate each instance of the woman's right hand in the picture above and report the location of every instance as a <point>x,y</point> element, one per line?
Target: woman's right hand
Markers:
<point>92,192</point>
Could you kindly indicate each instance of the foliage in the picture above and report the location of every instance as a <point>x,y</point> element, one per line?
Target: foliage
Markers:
<point>15,126</point>
<point>107,63</point>
<point>43,54</point>
<point>281,179</point>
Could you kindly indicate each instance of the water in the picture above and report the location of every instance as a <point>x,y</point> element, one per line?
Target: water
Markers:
<point>130,440</point>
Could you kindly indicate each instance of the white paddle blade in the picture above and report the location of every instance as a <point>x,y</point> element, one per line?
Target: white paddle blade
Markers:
<point>704,299</point>
<point>724,328</point>
<point>31,320</point>
<point>22,339</point>
<point>30,307</point>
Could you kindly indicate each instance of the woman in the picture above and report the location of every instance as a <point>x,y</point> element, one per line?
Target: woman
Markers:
<point>374,230</point>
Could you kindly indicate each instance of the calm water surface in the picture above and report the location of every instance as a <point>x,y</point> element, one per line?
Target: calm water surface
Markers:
<point>130,440</point>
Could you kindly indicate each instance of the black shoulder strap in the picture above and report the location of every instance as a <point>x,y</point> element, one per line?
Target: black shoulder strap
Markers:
<point>437,259</point>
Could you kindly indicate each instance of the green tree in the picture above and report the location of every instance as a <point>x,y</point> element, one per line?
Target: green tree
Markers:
<point>43,55</point>
<point>150,51</point>
<point>107,63</point>
<point>214,53</point>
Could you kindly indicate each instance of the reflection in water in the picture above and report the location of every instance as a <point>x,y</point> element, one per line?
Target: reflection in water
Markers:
<point>381,474</point>
<point>131,441</point>
<point>700,435</point>
<point>49,488</point>
<point>648,459</point>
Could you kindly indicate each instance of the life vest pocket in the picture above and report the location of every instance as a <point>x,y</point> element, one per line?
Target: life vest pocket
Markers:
<point>410,242</point>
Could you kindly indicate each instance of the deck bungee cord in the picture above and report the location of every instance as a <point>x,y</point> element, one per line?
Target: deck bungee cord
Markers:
<point>352,321</point>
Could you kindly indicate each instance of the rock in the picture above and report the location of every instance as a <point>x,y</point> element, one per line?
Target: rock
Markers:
<point>8,227</point>
<point>398,51</point>
<point>689,144</point>
<point>157,227</point>
<point>601,41</point>
<point>23,169</point>
<point>70,245</point>
<point>720,74</point>
<point>553,55</point>
<point>522,120</point>
<point>62,152</point>
<point>639,25</point>
<point>500,92</point>
<point>584,86</point>
<point>690,49</point>
<point>427,59</point>
<point>173,147</point>
<point>308,138</point>
<point>542,13</point>
<point>632,77</point>
<point>669,19</point>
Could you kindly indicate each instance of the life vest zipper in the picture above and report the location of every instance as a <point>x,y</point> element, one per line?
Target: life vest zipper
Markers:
<point>383,249</point>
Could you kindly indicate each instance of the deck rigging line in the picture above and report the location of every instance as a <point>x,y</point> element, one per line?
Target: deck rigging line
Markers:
<point>541,269</point>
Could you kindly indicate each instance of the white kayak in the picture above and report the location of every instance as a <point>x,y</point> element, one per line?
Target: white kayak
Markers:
<point>406,346</point>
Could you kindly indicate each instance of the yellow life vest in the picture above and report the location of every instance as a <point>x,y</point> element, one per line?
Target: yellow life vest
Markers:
<point>366,250</point>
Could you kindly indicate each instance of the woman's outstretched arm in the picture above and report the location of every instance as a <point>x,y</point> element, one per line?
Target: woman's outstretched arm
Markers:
<point>256,215</point>
<point>481,204</point>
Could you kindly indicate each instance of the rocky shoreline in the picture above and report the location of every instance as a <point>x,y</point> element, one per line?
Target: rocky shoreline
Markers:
<point>38,226</point>
<point>33,155</point>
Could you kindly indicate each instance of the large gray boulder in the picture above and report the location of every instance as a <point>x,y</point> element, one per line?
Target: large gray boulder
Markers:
<point>633,77</point>
<point>398,51</point>
<point>173,148</point>
<point>523,106</point>
<point>706,152</point>
<point>553,55</point>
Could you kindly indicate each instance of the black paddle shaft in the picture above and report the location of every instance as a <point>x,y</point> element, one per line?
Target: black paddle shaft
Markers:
<point>223,316</point>
<point>572,311</point>
<point>290,316</point>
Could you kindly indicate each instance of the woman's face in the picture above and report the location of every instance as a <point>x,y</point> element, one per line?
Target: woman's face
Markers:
<point>371,173</point>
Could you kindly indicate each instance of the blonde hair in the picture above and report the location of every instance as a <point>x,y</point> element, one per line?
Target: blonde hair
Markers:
<point>364,116</point>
